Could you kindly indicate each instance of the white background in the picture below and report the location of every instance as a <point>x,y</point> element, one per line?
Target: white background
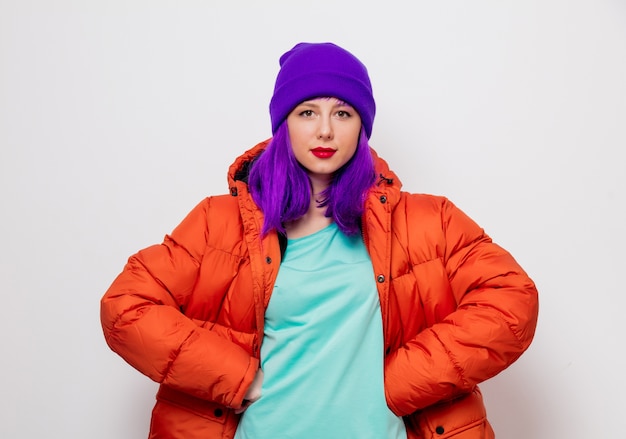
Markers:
<point>117,117</point>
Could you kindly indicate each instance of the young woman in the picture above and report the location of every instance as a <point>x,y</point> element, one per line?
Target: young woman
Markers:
<point>317,299</point>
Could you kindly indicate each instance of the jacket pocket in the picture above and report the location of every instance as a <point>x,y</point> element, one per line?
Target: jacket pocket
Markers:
<point>464,417</point>
<point>178,415</point>
<point>200,407</point>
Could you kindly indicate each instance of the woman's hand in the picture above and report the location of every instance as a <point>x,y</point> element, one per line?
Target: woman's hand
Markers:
<point>253,393</point>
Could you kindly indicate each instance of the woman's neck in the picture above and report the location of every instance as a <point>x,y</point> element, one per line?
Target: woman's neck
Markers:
<point>312,221</point>
<point>319,183</point>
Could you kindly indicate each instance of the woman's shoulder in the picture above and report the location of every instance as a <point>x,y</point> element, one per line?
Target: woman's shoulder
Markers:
<point>222,205</point>
<point>421,201</point>
<point>436,210</point>
<point>217,212</point>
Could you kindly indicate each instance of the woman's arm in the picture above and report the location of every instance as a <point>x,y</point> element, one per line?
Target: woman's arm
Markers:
<point>142,320</point>
<point>492,325</point>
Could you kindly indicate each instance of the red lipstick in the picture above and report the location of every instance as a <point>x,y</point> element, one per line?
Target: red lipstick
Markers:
<point>323,153</point>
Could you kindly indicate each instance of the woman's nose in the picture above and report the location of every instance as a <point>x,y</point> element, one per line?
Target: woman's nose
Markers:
<point>325,128</point>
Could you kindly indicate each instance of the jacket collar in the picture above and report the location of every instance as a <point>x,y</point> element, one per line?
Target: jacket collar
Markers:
<point>387,184</point>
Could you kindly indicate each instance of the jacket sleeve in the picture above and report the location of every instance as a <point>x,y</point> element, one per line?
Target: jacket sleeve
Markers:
<point>490,323</point>
<point>142,320</point>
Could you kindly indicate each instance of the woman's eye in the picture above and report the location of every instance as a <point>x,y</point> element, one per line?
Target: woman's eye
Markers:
<point>306,113</point>
<point>343,114</point>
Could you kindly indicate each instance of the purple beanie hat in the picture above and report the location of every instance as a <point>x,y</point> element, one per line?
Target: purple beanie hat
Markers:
<point>313,70</point>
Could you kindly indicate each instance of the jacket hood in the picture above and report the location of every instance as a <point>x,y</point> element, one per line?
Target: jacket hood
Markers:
<point>385,177</point>
<point>238,170</point>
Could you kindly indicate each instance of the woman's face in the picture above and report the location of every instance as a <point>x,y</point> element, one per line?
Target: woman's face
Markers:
<point>324,134</point>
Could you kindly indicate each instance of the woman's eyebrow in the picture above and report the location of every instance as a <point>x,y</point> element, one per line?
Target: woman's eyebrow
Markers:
<point>308,104</point>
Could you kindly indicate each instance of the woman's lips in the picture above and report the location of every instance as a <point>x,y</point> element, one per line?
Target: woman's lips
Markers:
<point>323,153</point>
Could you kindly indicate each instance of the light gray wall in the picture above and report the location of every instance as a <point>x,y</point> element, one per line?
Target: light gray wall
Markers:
<point>117,117</point>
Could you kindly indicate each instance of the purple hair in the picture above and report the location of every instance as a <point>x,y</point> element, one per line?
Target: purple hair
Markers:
<point>281,187</point>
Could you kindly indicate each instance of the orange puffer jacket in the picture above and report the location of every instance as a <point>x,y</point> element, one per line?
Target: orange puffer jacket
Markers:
<point>189,313</point>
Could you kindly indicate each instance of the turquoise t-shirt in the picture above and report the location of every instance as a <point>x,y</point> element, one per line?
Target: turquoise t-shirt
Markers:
<point>322,353</point>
